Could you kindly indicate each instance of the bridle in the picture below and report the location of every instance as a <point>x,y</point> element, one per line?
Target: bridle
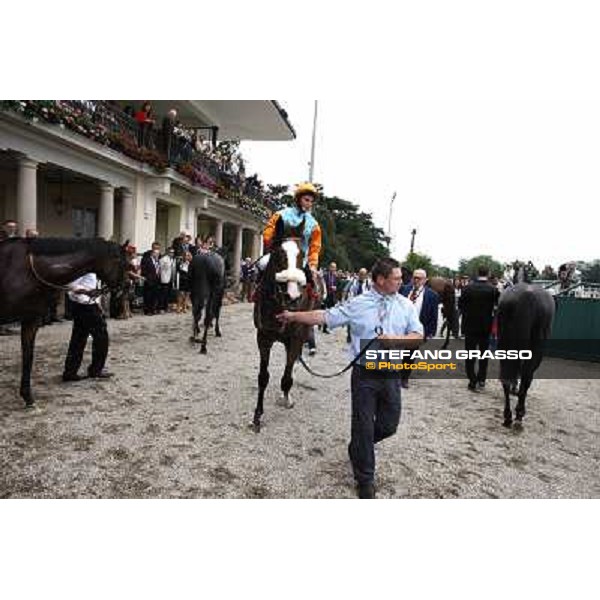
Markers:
<point>63,288</point>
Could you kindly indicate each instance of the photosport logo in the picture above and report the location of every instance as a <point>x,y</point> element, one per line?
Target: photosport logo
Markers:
<point>432,363</point>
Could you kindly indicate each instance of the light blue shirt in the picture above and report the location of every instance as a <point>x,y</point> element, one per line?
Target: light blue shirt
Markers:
<point>293,217</point>
<point>394,313</point>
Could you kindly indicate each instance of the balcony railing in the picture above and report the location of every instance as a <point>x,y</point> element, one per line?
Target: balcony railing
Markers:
<point>179,148</point>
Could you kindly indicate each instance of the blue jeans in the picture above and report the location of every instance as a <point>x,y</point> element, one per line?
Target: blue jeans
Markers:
<point>376,408</point>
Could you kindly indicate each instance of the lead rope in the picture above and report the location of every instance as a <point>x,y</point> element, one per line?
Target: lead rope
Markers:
<point>378,331</point>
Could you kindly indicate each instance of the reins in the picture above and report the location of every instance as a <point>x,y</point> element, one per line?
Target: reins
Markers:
<point>378,332</point>
<point>63,288</point>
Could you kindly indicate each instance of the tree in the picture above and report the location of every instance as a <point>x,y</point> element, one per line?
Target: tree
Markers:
<point>350,238</point>
<point>470,266</point>
<point>549,273</point>
<point>414,260</point>
<point>440,271</point>
<point>590,271</point>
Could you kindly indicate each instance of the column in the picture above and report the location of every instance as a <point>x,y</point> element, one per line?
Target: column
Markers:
<point>106,212</point>
<point>27,195</point>
<point>127,216</point>
<point>237,256</point>
<point>219,233</point>
<point>257,245</point>
<point>192,222</point>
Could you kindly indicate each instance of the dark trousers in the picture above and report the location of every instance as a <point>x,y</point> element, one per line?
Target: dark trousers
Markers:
<point>311,338</point>
<point>477,342</point>
<point>151,297</point>
<point>164,293</point>
<point>87,320</point>
<point>375,416</point>
<point>405,373</point>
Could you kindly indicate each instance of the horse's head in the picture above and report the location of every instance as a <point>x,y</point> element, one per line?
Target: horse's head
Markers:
<point>284,270</point>
<point>112,266</point>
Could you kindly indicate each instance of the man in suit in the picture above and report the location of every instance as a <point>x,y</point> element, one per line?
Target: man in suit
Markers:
<point>331,282</point>
<point>426,303</point>
<point>150,267</point>
<point>477,304</point>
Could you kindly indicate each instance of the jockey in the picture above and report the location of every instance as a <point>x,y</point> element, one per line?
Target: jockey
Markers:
<point>304,196</point>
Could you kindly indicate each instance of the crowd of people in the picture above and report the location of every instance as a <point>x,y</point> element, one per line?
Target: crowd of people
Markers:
<point>160,278</point>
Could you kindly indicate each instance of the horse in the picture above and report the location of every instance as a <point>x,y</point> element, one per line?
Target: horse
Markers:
<point>207,285</point>
<point>35,270</point>
<point>525,314</point>
<point>445,290</point>
<point>283,286</point>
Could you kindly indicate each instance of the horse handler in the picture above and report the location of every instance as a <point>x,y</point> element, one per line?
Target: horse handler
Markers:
<point>87,320</point>
<point>376,400</point>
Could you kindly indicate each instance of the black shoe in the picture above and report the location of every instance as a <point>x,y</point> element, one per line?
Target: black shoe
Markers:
<point>366,491</point>
<point>101,375</point>
<point>481,384</point>
<point>472,387</point>
<point>75,377</point>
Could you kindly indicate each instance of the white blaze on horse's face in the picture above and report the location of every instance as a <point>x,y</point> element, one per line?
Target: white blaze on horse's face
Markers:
<point>294,276</point>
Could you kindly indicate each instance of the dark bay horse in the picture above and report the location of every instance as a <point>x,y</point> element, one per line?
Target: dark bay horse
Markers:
<point>283,287</point>
<point>207,285</point>
<point>525,315</point>
<point>444,288</point>
<point>33,271</point>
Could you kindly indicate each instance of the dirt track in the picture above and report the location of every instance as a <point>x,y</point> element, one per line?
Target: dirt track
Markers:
<point>174,424</point>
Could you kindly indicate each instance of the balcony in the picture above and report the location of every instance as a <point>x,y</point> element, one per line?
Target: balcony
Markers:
<point>216,167</point>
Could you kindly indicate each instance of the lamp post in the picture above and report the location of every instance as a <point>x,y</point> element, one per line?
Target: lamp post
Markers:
<point>413,233</point>
<point>389,231</point>
<point>312,149</point>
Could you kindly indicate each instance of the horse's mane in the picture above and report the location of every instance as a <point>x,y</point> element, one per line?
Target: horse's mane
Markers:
<point>57,246</point>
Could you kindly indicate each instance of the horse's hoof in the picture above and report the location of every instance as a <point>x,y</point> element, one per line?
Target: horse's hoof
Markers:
<point>285,401</point>
<point>218,334</point>
<point>29,405</point>
<point>203,350</point>
<point>255,427</point>
<point>518,426</point>
<point>507,423</point>
<point>193,339</point>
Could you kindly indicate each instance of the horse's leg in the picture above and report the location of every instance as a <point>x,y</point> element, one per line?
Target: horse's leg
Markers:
<point>507,411</point>
<point>28,332</point>
<point>447,325</point>
<point>207,320</point>
<point>264,345</point>
<point>217,311</point>
<point>293,349</point>
<point>197,306</point>
<point>527,370</point>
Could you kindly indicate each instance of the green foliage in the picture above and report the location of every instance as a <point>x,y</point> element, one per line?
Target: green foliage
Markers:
<point>414,260</point>
<point>350,238</point>
<point>446,272</point>
<point>590,271</point>
<point>549,273</point>
<point>470,266</point>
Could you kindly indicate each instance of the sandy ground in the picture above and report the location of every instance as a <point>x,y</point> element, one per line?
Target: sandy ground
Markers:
<point>174,424</point>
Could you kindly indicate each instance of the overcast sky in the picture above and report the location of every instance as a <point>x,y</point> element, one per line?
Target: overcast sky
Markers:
<point>504,164</point>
